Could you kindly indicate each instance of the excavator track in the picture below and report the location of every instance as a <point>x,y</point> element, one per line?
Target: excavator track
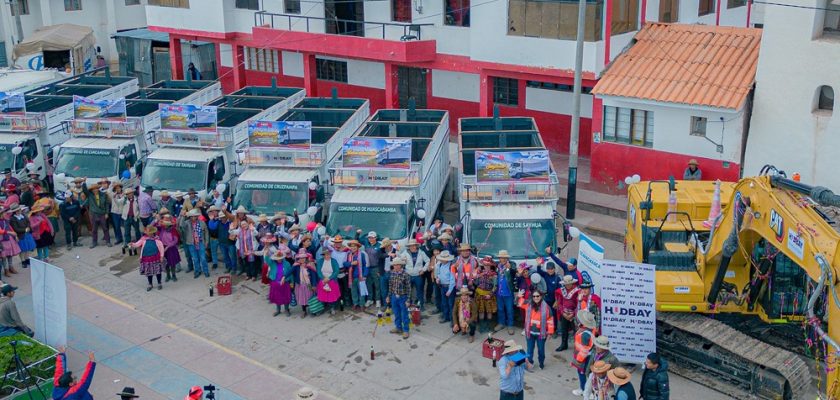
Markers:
<point>733,363</point>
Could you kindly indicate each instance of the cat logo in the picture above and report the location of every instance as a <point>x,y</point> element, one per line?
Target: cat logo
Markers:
<point>777,224</point>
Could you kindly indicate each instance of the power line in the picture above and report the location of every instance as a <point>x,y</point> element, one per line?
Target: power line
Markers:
<point>770,3</point>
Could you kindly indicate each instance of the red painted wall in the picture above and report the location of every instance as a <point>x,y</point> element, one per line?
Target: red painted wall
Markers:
<point>611,163</point>
<point>457,109</point>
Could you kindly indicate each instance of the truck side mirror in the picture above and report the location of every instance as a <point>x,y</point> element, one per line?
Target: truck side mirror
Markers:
<point>567,235</point>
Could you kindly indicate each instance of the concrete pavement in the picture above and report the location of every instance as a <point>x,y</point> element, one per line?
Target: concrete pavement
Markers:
<point>165,341</point>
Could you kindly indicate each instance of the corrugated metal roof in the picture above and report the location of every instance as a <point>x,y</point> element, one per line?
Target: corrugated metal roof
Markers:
<point>146,34</point>
<point>689,64</point>
<point>372,196</point>
<point>277,175</point>
<point>183,154</point>
<point>510,211</point>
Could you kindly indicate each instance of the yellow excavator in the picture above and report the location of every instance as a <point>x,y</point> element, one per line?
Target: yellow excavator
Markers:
<point>749,293</point>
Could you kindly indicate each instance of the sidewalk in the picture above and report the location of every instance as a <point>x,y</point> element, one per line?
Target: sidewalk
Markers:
<point>161,361</point>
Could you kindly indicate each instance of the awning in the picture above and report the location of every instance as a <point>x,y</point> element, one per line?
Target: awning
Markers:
<point>56,38</point>
<point>146,34</point>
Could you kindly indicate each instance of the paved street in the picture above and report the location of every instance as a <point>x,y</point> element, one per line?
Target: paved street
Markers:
<point>162,342</point>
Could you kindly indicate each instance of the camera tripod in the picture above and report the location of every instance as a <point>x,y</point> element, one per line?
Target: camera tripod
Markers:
<point>20,369</point>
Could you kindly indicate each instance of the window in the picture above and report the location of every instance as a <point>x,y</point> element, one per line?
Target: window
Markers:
<point>248,4</point>
<point>627,125</point>
<point>457,12</point>
<point>706,7</point>
<point>625,16</point>
<point>401,10</point>
<point>735,3</point>
<point>506,91</point>
<point>262,60</point>
<point>72,5</point>
<point>331,70</point>
<point>291,6</point>
<point>22,5</point>
<point>132,2</point>
<point>554,19</point>
<point>669,10</point>
<point>698,126</point>
<point>557,86</point>
<point>170,3</point>
<point>826,98</point>
<point>831,21</point>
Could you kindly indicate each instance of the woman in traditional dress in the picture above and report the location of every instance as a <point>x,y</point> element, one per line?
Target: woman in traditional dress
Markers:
<point>20,223</point>
<point>485,293</point>
<point>151,255</point>
<point>42,231</point>
<point>304,276</point>
<point>9,242</point>
<point>171,241</point>
<point>328,290</point>
<point>280,292</point>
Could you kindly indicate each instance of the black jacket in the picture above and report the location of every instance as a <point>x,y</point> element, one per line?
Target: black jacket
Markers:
<point>655,383</point>
<point>70,210</point>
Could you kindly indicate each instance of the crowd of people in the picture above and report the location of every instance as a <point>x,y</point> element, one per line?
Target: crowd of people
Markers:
<point>307,268</point>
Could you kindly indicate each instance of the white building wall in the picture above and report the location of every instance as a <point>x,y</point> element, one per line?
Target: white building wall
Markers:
<point>455,85</point>
<point>672,127</point>
<point>556,101</point>
<point>292,63</point>
<point>130,17</point>
<point>203,15</point>
<point>786,130</point>
<point>366,73</point>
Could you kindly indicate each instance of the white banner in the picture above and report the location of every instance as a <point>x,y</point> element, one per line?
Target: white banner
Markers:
<point>49,303</point>
<point>628,309</point>
<point>590,255</point>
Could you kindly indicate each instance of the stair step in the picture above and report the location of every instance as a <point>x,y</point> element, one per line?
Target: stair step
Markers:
<point>601,225</point>
<point>599,203</point>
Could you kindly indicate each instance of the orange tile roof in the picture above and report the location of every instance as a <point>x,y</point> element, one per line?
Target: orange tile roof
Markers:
<point>688,64</point>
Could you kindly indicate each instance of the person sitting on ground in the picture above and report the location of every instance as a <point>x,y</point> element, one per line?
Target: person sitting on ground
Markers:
<point>10,322</point>
<point>65,385</point>
<point>465,314</point>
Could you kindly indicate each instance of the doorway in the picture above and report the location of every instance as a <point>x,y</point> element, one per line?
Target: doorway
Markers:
<point>345,17</point>
<point>411,83</point>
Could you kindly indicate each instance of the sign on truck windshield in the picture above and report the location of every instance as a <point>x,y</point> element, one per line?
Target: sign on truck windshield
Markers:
<point>521,238</point>
<point>387,220</point>
<point>512,166</point>
<point>79,162</point>
<point>269,198</point>
<point>175,175</point>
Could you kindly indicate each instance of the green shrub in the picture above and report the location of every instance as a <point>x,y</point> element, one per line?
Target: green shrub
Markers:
<point>29,354</point>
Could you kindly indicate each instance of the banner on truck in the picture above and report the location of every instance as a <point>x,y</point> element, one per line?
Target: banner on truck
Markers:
<point>188,117</point>
<point>512,166</point>
<point>590,256</point>
<point>12,103</point>
<point>85,108</point>
<point>280,134</point>
<point>49,303</point>
<point>362,152</point>
<point>628,309</point>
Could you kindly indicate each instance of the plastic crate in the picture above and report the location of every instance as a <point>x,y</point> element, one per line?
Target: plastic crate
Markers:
<point>223,285</point>
<point>489,345</point>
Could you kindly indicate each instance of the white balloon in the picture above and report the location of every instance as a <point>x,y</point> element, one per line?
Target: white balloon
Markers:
<point>637,178</point>
<point>156,193</point>
<point>122,156</point>
<point>421,213</point>
<point>30,166</point>
<point>60,177</point>
<point>221,187</point>
<point>322,230</point>
<point>16,150</point>
<point>313,186</point>
<point>628,180</point>
<point>311,211</point>
<point>575,232</point>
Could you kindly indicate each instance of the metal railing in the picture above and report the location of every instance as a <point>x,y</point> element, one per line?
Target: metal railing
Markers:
<point>341,26</point>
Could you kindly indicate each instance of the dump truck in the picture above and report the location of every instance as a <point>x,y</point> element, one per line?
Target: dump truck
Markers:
<point>203,160</point>
<point>508,187</point>
<point>392,201</point>
<point>31,137</point>
<point>294,179</point>
<point>113,149</point>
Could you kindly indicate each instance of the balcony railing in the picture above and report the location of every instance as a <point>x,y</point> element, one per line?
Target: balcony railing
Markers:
<point>338,26</point>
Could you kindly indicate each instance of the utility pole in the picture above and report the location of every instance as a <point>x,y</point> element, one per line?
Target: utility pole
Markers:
<point>16,12</point>
<point>571,195</point>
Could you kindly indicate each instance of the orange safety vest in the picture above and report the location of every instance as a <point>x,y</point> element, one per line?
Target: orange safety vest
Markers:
<point>535,320</point>
<point>582,349</point>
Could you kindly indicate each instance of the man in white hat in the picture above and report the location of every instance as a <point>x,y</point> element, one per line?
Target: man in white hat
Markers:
<point>213,233</point>
<point>416,264</point>
<point>399,286</point>
<point>505,292</point>
<point>373,249</point>
<point>446,284</point>
<point>196,240</point>
<point>511,372</point>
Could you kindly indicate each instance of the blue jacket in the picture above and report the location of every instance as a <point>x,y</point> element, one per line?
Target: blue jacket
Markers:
<point>79,391</point>
<point>552,282</point>
<point>363,264</point>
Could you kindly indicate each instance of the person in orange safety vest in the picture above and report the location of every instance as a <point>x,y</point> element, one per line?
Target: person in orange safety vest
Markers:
<point>539,324</point>
<point>584,340</point>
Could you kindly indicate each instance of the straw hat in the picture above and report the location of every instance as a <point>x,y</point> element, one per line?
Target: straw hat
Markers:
<point>194,213</point>
<point>587,319</point>
<point>241,210</point>
<point>503,254</point>
<point>302,254</point>
<point>692,162</point>
<point>444,256</point>
<point>385,243</point>
<point>619,376</point>
<point>150,230</point>
<point>262,217</point>
<point>213,209</point>
<point>464,290</point>
<point>488,260</point>
<point>178,194</point>
<point>602,342</point>
<point>448,228</point>
<point>164,193</point>
<point>511,347</point>
<point>445,236</point>
<point>569,280</point>
<point>354,243</point>
<point>78,179</point>
<point>464,247</point>
<point>337,239</point>
<point>164,211</point>
<point>412,242</point>
<point>398,261</point>
<point>599,367</point>
<point>295,227</point>
<point>128,190</point>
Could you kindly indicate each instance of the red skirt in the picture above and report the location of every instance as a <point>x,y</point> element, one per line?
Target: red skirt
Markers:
<point>328,296</point>
<point>264,274</point>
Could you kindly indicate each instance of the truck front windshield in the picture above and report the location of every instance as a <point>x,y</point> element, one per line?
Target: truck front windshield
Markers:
<point>521,238</point>
<point>175,175</point>
<point>387,220</point>
<point>78,162</point>
<point>269,198</point>
<point>6,156</point>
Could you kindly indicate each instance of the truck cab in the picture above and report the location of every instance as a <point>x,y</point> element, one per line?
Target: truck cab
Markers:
<point>508,202</point>
<point>289,179</point>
